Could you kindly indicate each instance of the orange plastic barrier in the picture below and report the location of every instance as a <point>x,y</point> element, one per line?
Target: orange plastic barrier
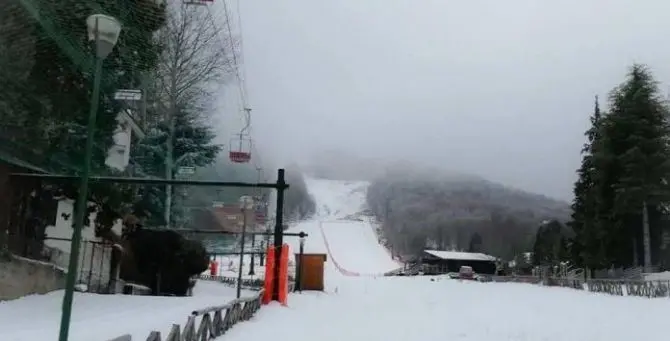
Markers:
<point>283,275</point>
<point>269,274</point>
<point>213,267</point>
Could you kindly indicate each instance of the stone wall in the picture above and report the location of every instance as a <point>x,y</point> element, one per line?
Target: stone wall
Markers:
<point>21,276</point>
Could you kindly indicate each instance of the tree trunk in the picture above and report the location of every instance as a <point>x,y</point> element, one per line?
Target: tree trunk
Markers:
<point>169,162</point>
<point>646,238</point>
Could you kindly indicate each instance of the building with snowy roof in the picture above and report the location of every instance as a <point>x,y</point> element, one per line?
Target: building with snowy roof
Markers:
<point>441,262</point>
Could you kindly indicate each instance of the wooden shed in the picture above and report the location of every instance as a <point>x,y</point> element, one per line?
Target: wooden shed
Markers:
<point>312,268</point>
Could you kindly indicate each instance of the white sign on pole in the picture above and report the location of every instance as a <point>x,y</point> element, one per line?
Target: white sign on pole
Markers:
<point>128,95</point>
<point>186,170</point>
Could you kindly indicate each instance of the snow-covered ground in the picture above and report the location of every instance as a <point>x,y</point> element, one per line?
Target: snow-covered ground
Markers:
<point>411,309</point>
<point>659,276</point>
<point>368,308</point>
<point>356,306</point>
<point>103,317</point>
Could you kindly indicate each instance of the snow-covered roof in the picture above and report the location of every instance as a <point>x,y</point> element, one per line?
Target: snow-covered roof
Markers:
<point>456,255</point>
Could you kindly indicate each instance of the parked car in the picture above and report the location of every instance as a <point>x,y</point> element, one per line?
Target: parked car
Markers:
<point>466,272</point>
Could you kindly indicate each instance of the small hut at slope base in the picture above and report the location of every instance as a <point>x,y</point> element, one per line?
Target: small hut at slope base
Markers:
<point>437,262</point>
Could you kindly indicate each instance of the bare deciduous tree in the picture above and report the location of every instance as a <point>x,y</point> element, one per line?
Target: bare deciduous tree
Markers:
<point>197,57</point>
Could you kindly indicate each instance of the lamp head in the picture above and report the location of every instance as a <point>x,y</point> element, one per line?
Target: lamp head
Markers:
<point>104,31</point>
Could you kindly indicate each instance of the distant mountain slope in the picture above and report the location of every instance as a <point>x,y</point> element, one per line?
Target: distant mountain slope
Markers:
<point>337,165</point>
<point>428,209</point>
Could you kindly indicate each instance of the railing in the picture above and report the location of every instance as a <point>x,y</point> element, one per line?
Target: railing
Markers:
<point>617,287</point>
<point>650,289</point>
<point>514,279</point>
<point>636,272</point>
<point>214,321</point>
<point>247,283</point>
<point>411,270</point>
<point>395,272</point>
<point>209,323</point>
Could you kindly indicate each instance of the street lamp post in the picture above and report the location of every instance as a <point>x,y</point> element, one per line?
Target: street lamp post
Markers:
<point>261,205</point>
<point>261,262</point>
<point>246,203</point>
<point>103,32</point>
<point>253,253</point>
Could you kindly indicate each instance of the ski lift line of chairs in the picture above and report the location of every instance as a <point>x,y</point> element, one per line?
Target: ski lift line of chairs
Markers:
<point>240,150</point>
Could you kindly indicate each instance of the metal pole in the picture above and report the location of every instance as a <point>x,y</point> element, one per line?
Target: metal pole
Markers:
<point>299,270</point>
<point>253,245</point>
<point>81,208</point>
<point>261,263</point>
<point>244,232</point>
<point>278,233</point>
<point>258,201</point>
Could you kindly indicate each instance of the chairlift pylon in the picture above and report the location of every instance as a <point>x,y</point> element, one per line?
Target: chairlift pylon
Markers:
<point>240,149</point>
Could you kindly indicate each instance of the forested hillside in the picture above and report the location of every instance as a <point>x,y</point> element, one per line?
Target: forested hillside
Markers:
<point>422,209</point>
<point>299,203</point>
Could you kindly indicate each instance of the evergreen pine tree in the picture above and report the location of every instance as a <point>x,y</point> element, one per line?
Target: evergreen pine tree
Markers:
<point>585,244</point>
<point>475,244</point>
<point>193,147</point>
<point>635,159</point>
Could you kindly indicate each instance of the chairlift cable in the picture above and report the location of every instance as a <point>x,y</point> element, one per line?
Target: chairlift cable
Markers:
<point>236,65</point>
<point>242,69</point>
<point>238,70</point>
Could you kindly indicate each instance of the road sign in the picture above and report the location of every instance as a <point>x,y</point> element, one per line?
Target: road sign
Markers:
<point>128,95</point>
<point>186,170</point>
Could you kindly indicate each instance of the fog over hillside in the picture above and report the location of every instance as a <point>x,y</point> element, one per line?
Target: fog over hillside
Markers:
<point>422,207</point>
<point>428,209</point>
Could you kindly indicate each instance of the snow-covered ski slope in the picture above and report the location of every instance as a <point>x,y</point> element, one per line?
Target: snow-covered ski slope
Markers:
<point>367,308</point>
<point>103,317</point>
<point>340,230</point>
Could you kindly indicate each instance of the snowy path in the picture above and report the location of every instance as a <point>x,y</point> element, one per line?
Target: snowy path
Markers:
<point>102,317</point>
<point>362,308</point>
<point>354,249</point>
<point>339,230</point>
<point>411,309</point>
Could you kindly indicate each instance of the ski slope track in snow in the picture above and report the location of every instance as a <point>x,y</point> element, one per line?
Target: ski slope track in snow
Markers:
<point>348,236</point>
<point>422,308</point>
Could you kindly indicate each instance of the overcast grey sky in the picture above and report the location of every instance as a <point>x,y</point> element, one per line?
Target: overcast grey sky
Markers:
<point>502,89</point>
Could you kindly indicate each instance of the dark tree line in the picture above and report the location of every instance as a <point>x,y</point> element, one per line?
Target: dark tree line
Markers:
<point>421,210</point>
<point>299,203</point>
<point>47,79</point>
<point>621,196</point>
<point>47,85</point>
<point>551,244</point>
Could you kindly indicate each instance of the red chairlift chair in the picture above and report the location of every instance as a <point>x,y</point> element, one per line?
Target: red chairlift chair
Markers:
<point>240,150</point>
